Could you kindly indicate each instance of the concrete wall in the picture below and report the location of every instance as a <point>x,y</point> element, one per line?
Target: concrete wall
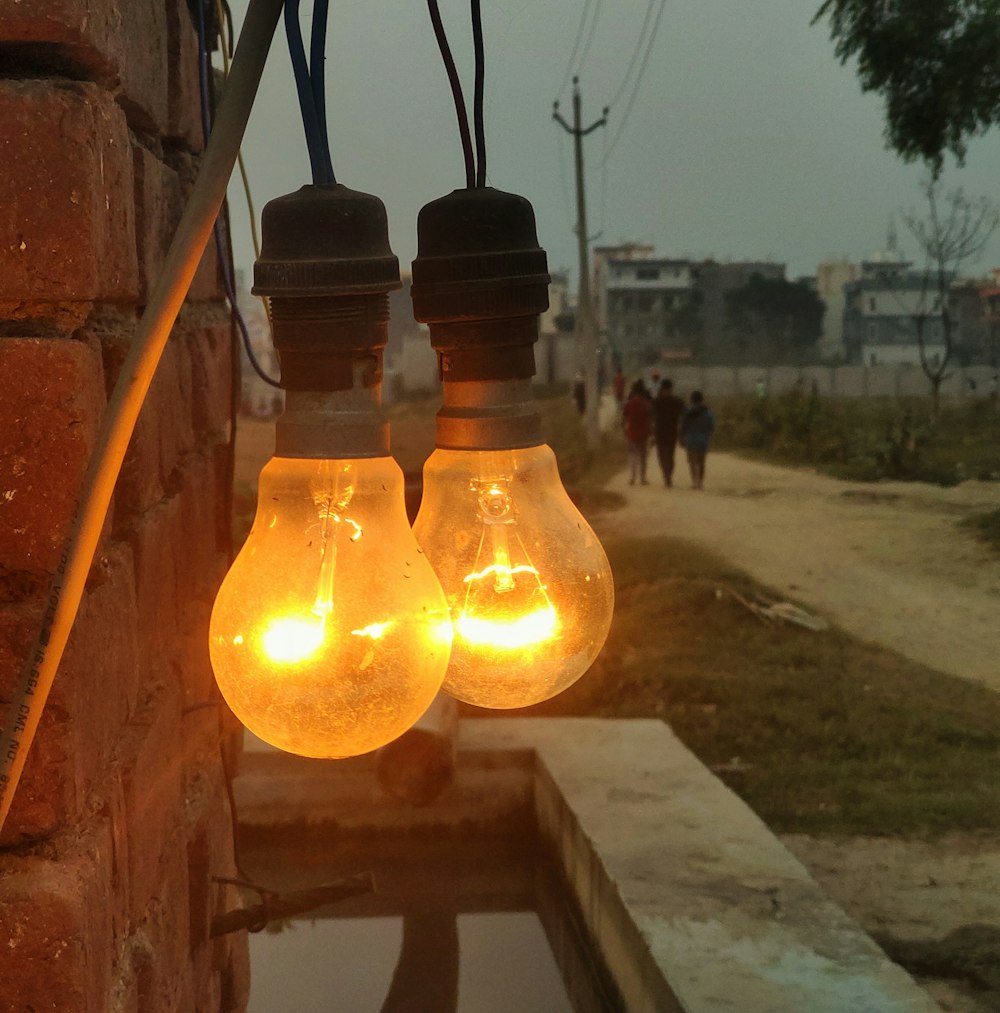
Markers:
<point>839,381</point>
<point>121,820</point>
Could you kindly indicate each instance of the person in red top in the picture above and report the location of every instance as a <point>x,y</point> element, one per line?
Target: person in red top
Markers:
<point>636,421</point>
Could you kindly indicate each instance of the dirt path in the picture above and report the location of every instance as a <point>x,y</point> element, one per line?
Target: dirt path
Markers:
<point>887,562</point>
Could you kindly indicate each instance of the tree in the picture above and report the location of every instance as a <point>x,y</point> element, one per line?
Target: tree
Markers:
<point>955,232</point>
<point>781,319</point>
<point>935,62</point>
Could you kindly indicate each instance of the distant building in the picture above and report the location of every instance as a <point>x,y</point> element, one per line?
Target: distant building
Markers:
<point>602,255</point>
<point>641,299</point>
<point>662,309</point>
<point>831,278</point>
<point>883,309</point>
<point>714,280</point>
<point>990,302</point>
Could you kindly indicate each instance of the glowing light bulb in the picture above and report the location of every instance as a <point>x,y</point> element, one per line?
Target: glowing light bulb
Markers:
<point>330,634</point>
<point>528,583</point>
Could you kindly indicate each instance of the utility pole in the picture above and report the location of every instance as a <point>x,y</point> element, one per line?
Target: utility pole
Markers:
<point>586,330</point>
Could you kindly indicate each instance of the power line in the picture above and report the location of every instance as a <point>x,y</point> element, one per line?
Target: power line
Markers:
<point>576,48</point>
<point>635,54</point>
<point>604,181</point>
<point>590,37</point>
<point>638,79</point>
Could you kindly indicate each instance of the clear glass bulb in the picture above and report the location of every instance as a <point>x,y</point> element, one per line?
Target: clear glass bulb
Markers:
<point>528,584</point>
<point>330,634</point>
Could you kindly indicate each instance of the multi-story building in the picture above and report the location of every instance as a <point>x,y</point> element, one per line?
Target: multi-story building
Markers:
<point>602,255</point>
<point>887,309</point>
<point>641,301</point>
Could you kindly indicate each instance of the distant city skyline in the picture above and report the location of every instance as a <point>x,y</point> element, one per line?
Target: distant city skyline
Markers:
<point>746,141</point>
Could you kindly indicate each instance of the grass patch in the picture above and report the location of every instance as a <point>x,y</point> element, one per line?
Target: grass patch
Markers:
<point>866,439</point>
<point>986,527</point>
<point>818,732</point>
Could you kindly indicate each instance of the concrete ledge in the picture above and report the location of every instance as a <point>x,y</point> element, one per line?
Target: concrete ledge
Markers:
<point>693,902</point>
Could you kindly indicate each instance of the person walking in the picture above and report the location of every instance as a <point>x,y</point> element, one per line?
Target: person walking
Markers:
<point>636,422</point>
<point>697,426</point>
<point>667,411</point>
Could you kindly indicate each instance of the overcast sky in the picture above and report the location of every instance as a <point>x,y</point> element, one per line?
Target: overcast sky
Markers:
<point>746,140</point>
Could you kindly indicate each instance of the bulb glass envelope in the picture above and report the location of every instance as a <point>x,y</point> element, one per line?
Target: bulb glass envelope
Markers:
<point>330,634</point>
<point>528,584</point>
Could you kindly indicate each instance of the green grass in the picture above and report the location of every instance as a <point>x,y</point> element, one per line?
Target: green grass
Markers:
<point>866,439</point>
<point>818,732</point>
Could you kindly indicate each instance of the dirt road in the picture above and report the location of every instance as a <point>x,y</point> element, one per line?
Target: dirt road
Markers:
<point>890,564</point>
<point>887,562</point>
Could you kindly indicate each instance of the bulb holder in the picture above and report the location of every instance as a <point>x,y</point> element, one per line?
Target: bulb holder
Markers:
<point>480,280</point>
<point>326,265</point>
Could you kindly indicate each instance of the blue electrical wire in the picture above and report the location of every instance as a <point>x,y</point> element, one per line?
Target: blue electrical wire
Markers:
<point>317,77</point>
<point>227,278</point>
<point>304,86</point>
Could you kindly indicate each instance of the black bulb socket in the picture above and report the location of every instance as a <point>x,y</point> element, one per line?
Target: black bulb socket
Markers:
<point>480,281</point>
<point>327,268</point>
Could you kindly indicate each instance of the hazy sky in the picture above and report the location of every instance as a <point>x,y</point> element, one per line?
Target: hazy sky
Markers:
<point>746,140</point>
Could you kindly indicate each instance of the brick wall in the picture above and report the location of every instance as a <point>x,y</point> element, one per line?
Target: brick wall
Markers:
<point>121,821</point>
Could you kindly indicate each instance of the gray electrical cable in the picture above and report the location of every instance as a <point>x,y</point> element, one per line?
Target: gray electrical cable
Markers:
<point>193,232</point>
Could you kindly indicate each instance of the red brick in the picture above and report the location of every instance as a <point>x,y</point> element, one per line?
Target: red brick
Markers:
<point>157,211</point>
<point>160,194</point>
<point>68,761</point>
<point>210,854</point>
<point>139,485</point>
<point>203,508</point>
<point>152,776</point>
<point>47,794</point>
<point>172,396</point>
<point>164,430</point>
<point>161,954</point>
<point>67,214</point>
<point>236,977</point>
<point>97,38</point>
<point>207,283</point>
<point>184,110</point>
<point>56,926</point>
<point>212,375</point>
<point>50,413</point>
<point>157,545</point>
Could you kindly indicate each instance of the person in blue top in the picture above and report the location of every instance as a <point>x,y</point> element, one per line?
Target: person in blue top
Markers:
<point>697,426</point>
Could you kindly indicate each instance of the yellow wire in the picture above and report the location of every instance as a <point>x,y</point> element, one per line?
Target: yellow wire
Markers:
<point>221,16</point>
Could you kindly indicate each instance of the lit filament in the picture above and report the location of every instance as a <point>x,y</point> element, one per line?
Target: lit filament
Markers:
<point>373,630</point>
<point>287,641</point>
<point>511,631</point>
<point>511,634</point>
<point>291,640</point>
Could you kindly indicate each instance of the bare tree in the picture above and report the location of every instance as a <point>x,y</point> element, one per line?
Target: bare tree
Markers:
<point>954,233</point>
